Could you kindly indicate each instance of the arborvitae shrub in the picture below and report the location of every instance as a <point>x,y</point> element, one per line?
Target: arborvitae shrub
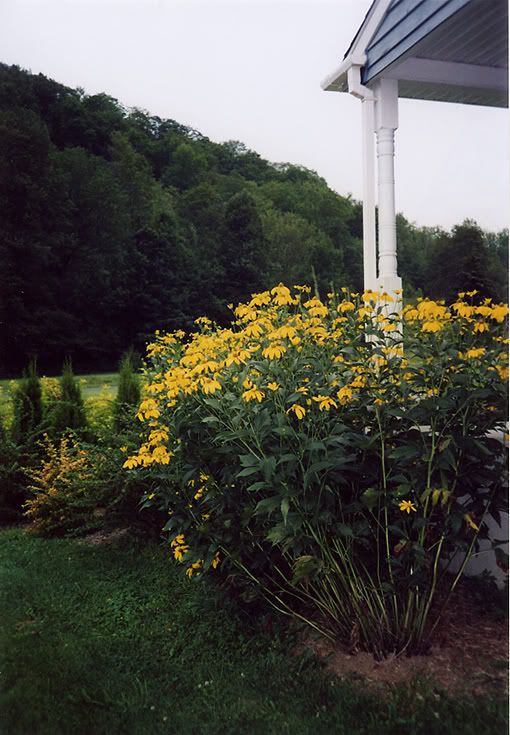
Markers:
<point>28,407</point>
<point>128,394</point>
<point>68,413</point>
<point>12,489</point>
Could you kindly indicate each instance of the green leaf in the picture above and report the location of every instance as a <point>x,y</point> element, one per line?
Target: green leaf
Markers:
<point>344,530</point>
<point>277,534</point>
<point>289,457</point>
<point>267,466</point>
<point>257,486</point>
<point>313,446</point>
<point>405,452</point>
<point>266,506</point>
<point>284,507</point>
<point>247,471</point>
<point>210,420</point>
<point>370,498</point>
<point>248,460</point>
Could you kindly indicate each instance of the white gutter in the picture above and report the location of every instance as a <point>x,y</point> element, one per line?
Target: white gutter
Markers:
<point>334,80</point>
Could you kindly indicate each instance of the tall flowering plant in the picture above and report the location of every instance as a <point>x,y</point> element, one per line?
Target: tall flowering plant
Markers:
<point>336,454</point>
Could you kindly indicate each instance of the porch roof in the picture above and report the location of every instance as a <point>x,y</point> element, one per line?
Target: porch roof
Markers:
<point>446,50</point>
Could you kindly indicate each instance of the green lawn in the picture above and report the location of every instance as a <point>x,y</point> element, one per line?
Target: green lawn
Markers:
<point>113,639</point>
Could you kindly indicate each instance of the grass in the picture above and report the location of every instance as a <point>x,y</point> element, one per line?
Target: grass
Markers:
<point>114,639</point>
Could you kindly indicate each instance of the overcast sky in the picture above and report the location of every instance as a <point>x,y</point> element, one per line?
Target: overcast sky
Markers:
<point>250,70</point>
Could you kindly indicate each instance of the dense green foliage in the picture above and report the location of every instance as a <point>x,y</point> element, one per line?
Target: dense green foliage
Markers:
<point>112,639</point>
<point>115,223</point>
<point>336,476</point>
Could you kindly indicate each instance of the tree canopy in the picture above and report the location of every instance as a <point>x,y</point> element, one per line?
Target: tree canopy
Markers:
<point>115,223</point>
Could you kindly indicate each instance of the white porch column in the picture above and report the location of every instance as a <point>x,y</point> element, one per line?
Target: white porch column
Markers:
<point>367,98</point>
<point>386,122</point>
<point>369,238</point>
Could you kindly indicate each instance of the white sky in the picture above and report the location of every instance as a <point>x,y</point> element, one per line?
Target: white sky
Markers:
<point>250,70</point>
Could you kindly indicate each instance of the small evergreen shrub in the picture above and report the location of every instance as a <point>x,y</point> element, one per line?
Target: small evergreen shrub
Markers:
<point>333,455</point>
<point>28,408</point>
<point>128,395</point>
<point>67,414</point>
<point>12,490</point>
<point>19,446</point>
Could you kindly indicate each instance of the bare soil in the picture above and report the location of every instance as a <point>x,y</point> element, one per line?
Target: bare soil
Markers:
<point>100,538</point>
<point>469,652</point>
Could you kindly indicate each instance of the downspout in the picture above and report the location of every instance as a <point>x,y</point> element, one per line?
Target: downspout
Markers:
<point>367,97</point>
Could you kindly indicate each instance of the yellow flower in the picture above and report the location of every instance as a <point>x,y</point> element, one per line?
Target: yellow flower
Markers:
<point>286,331</point>
<point>123,449</point>
<point>148,409</point>
<point>161,455</point>
<point>131,462</point>
<point>273,386</point>
<point>325,402</point>
<point>194,567</point>
<point>359,381</point>
<point>478,352</point>
<point>274,351</point>
<point>210,385</point>
<point>206,367</point>
<point>253,330</point>
<point>298,410</point>
<point>316,307</point>
<point>345,306</point>
<point>469,520</point>
<point>407,506</point>
<point>464,310</point>
<point>499,312</point>
<point>431,326</point>
<point>344,395</point>
<point>481,327</point>
<point>253,394</point>
<point>502,372</point>
<point>484,310</point>
<point>281,295</point>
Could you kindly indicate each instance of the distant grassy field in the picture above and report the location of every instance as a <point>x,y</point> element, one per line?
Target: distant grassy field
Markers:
<point>114,639</point>
<point>96,385</point>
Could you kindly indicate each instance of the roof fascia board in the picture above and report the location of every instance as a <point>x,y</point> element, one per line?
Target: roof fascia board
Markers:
<point>368,29</point>
<point>356,53</point>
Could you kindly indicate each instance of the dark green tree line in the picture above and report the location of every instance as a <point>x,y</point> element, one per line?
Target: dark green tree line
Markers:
<point>115,222</point>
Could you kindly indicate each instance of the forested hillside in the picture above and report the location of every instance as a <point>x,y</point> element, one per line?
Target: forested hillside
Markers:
<point>115,223</point>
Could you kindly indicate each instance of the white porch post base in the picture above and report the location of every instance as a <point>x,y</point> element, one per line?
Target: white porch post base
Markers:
<point>390,284</point>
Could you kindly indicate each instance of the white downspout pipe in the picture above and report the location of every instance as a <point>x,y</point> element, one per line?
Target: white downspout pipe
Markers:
<point>367,98</point>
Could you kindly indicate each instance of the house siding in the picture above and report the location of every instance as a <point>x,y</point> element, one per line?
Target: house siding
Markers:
<point>405,24</point>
